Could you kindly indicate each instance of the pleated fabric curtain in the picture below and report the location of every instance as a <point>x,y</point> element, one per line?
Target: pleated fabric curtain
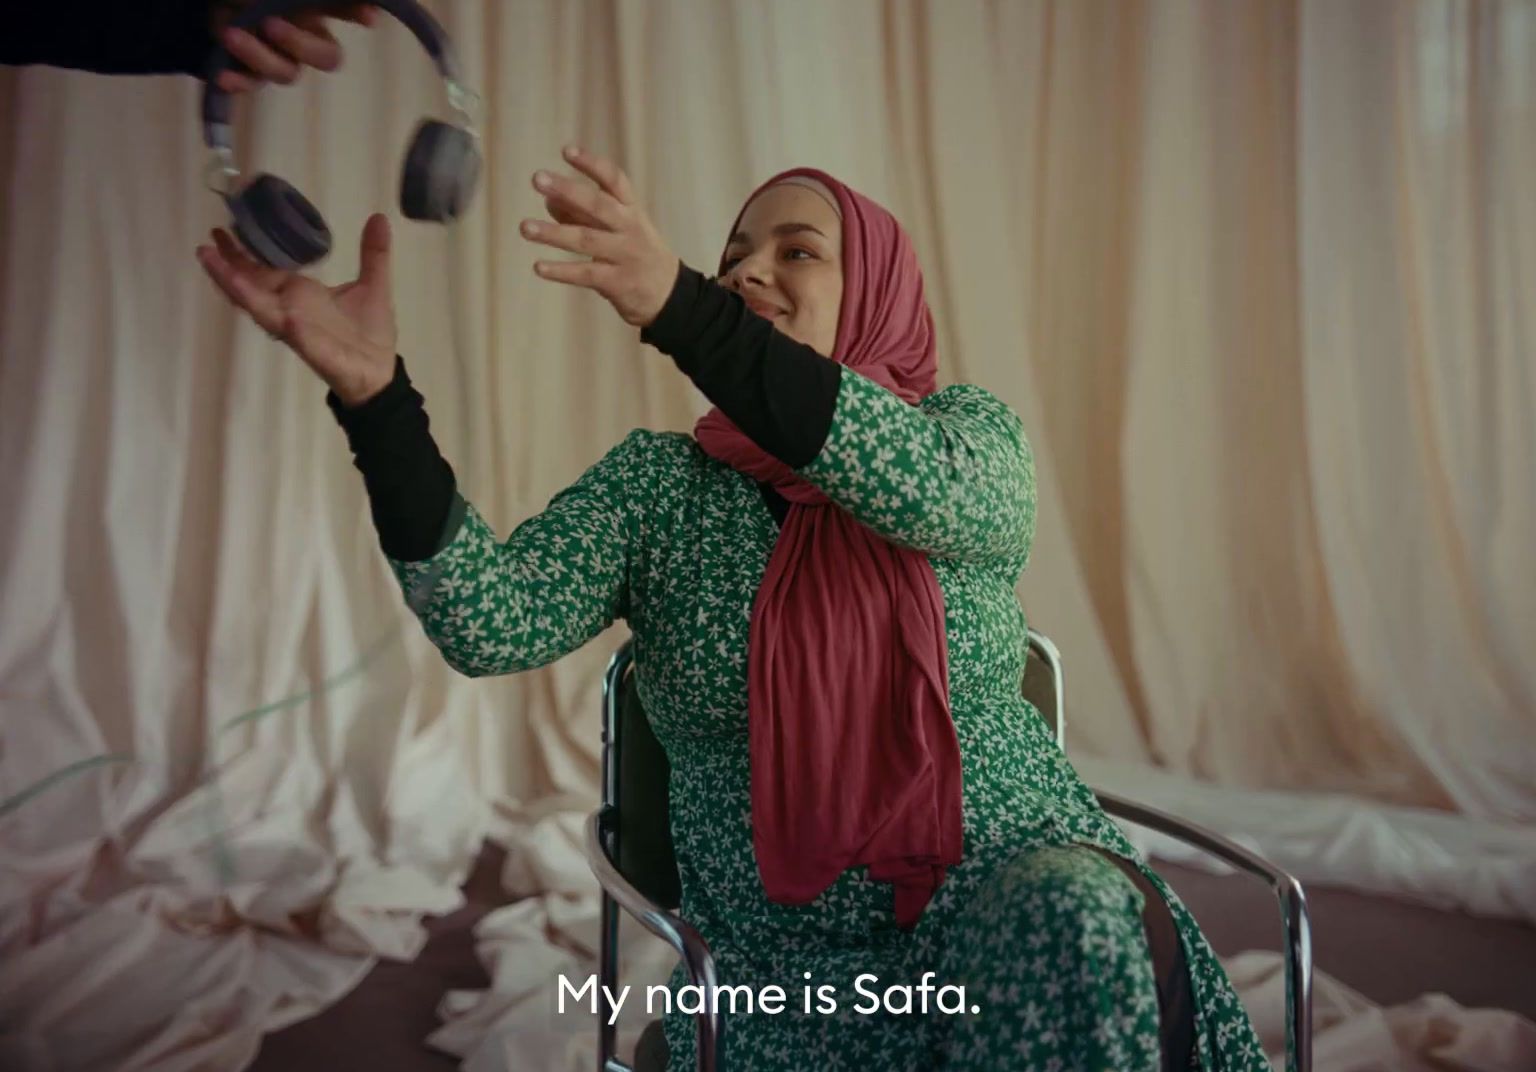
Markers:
<point>1256,275</point>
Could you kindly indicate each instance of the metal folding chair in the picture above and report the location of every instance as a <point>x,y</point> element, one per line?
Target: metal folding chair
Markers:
<point>629,847</point>
<point>1044,687</point>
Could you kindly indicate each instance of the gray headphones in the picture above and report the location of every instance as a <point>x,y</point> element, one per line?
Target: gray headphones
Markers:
<point>276,222</point>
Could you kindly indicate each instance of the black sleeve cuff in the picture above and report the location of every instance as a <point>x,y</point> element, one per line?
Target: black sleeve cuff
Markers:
<point>411,488</point>
<point>367,417</point>
<point>670,330</point>
<point>781,393</point>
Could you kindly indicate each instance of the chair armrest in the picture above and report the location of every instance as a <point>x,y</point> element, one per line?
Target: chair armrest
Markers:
<point>1223,848</point>
<point>698,961</point>
<point>1293,912</point>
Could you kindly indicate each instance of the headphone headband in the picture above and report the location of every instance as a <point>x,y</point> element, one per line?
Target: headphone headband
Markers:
<point>217,102</point>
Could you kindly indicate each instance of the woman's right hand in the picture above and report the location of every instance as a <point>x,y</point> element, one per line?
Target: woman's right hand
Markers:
<point>346,333</point>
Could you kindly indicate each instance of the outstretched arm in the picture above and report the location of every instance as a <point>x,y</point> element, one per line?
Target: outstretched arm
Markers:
<point>494,606</point>
<point>172,37</point>
<point>491,606</point>
<point>952,476</point>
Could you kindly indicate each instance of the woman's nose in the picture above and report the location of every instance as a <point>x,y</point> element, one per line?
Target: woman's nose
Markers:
<point>752,269</point>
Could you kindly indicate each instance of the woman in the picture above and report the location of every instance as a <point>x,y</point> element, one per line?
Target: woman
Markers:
<point>834,550</point>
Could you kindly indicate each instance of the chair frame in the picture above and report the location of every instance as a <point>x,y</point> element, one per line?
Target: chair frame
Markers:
<point>699,963</point>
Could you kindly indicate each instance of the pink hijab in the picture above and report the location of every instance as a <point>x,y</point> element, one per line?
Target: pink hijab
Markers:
<point>854,757</point>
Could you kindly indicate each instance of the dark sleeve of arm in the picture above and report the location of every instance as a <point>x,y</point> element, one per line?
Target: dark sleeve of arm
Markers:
<point>110,36</point>
<point>411,488</point>
<point>779,392</point>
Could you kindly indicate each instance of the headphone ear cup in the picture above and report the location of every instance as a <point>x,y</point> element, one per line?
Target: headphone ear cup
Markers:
<point>278,224</point>
<point>441,170</point>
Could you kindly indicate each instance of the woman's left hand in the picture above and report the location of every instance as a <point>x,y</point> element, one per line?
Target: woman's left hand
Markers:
<point>630,263</point>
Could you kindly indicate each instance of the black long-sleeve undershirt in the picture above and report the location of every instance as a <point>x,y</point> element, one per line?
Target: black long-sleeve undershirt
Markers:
<point>111,36</point>
<point>412,490</point>
<point>779,392</point>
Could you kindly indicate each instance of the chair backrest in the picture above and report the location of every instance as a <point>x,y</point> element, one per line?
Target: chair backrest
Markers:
<point>635,786</point>
<point>636,772</point>
<point>1044,685</point>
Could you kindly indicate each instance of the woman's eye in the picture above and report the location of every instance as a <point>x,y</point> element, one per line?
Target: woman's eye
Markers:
<point>793,253</point>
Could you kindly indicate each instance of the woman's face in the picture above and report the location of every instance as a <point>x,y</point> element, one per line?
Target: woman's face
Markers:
<point>786,260</point>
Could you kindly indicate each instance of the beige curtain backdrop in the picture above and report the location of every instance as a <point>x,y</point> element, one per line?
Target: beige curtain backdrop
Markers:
<point>1257,276</point>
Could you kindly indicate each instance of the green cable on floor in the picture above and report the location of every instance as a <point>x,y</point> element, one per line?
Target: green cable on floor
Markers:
<point>43,784</point>
<point>224,862</point>
<point>224,859</point>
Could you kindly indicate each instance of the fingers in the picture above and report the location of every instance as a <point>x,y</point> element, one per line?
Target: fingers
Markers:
<point>362,14</point>
<point>260,58</point>
<point>284,50</point>
<point>608,175</point>
<point>235,82</point>
<point>231,252</point>
<point>599,244</point>
<point>373,259</point>
<point>264,305</point>
<point>572,202</point>
<point>631,265</point>
<point>564,214</point>
<point>573,197</point>
<point>261,275</point>
<point>305,38</point>
<point>592,274</point>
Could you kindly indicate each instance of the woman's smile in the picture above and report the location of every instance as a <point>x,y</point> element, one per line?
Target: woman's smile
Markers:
<point>765,309</point>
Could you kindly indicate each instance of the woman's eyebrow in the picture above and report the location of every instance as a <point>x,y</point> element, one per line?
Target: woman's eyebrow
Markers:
<point>779,231</point>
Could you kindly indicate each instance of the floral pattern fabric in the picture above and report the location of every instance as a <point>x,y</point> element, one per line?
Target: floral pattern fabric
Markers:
<point>1044,935</point>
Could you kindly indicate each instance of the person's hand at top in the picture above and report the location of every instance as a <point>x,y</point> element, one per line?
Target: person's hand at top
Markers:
<point>630,263</point>
<point>282,47</point>
<point>346,334</point>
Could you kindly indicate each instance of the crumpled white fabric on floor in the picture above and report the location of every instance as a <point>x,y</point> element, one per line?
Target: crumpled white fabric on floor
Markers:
<point>176,944</point>
<point>1415,854</point>
<point>520,1021</point>
<point>1353,1034</point>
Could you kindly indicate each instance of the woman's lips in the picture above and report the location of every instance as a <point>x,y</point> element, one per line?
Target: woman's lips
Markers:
<point>763,309</point>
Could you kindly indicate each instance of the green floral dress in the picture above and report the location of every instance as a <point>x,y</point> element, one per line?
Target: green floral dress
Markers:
<point>1044,935</point>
